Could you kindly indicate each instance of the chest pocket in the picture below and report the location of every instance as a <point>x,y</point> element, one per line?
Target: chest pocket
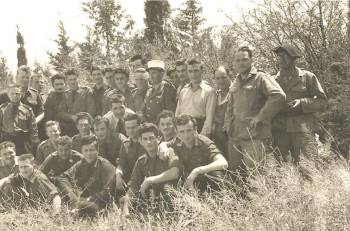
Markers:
<point>22,120</point>
<point>298,91</point>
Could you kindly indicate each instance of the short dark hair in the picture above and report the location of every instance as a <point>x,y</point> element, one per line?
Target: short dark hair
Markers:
<point>118,98</point>
<point>170,71</point>
<point>100,120</point>
<point>58,76</point>
<point>64,140</point>
<point>180,62</point>
<point>246,49</point>
<point>185,119</point>
<point>148,127</point>
<point>195,61</point>
<point>122,70</point>
<point>165,114</point>
<point>83,115</point>
<point>133,116</point>
<point>51,123</point>
<point>137,57</point>
<point>108,69</point>
<point>140,70</point>
<point>71,71</point>
<point>26,156</point>
<point>88,139</point>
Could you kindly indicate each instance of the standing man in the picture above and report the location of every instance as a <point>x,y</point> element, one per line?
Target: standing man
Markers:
<point>255,98</point>
<point>17,122</point>
<point>197,99</point>
<point>55,98</point>
<point>109,77</point>
<point>161,96</point>
<point>141,78</point>
<point>136,62</point>
<point>98,89</point>
<point>45,148</point>
<point>182,74</point>
<point>38,83</point>
<point>223,84</point>
<point>294,127</point>
<point>123,86</point>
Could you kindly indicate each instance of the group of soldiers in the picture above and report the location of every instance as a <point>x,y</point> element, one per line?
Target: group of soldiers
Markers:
<point>131,137</point>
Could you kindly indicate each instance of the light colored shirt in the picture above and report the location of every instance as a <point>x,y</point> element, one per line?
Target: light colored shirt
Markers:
<point>198,104</point>
<point>113,120</point>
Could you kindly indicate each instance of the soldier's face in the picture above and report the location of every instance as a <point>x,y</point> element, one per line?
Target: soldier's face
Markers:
<point>38,83</point>
<point>84,126</point>
<point>90,152</point>
<point>100,131</point>
<point>195,73</point>
<point>242,61</point>
<point>118,110</point>
<point>166,126</point>
<point>97,76</point>
<point>131,127</point>
<point>72,81</point>
<point>23,77</point>
<point>53,132</point>
<point>120,80</point>
<point>141,80</point>
<point>155,75</point>
<point>63,151</point>
<point>136,64</point>
<point>59,85</point>
<point>221,79</point>
<point>284,60</point>
<point>109,76</point>
<point>186,133</point>
<point>14,94</point>
<point>8,156</point>
<point>149,141</point>
<point>26,168</point>
<point>182,73</point>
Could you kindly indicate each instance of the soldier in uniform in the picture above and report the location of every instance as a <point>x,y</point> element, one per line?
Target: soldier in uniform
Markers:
<point>37,83</point>
<point>61,160</point>
<point>48,146</point>
<point>166,125</point>
<point>182,74</point>
<point>90,183</point>
<point>141,78</point>
<point>255,98</point>
<point>17,122</point>
<point>123,86</point>
<point>117,114</point>
<point>29,187</point>
<point>7,159</point>
<point>223,84</point>
<point>171,77</point>
<point>55,98</point>
<point>151,174</point>
<point>197,99</point>
<point>136,62</point>
<point>109,77</point>
<point>78,99</point>
<point>295,125</point>
<point>98,89</point>
<point>84,126</point>
<point>109,143</point>
<point>161,96</point>
<point>199,156</point>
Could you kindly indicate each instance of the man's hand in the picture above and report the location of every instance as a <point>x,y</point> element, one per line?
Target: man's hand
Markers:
<point>120,183</point>
<point>192,177</point>
<point>295,105</point>
<point>145,185</point>
<point>4,181</point>
<point>254,123</point>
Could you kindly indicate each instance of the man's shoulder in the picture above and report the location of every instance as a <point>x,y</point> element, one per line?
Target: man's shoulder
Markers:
<point>76,137</point>
<point>32,90</point>
<point>44,144</point>
<point>203,140</point>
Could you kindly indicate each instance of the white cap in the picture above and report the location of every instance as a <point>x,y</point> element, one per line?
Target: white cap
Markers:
<point>159,64</point>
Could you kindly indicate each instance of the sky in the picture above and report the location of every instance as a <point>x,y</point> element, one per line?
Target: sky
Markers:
<point>37,20</point>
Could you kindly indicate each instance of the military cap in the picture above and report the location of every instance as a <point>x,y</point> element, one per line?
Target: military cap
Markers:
<point>289,49</point>
<point>6,144</point>
<point>157,64</point>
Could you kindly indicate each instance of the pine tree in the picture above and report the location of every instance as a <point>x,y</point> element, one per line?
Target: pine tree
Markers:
<point>111,23</point>
<point>21,51</point>
<point>64,58</point>
<point>157,12</point>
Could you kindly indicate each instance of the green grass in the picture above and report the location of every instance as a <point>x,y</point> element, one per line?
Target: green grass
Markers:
<point>280,198</point>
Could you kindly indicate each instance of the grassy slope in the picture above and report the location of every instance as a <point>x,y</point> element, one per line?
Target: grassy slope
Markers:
<point>280,200</point>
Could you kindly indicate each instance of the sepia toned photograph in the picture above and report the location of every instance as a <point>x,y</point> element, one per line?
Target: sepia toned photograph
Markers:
<point>175,115</point>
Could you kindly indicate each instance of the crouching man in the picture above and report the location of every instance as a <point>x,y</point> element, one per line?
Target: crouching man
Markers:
<point>151,175</point>
<point>8,164</point>
<point>30,187</point>
<point>89,184</point>
<point>203,162</point>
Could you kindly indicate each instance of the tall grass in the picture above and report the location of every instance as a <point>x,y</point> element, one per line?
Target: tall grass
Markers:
<point>315,196</point>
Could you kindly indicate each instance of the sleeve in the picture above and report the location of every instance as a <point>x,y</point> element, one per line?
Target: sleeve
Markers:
<point>45,166</point>
<point>107,179</point>
<point>136,179</point>
<point>49,108</point>
<point>39,158</point>
<point>47,187</point>
<point>91,107</point>
<point>40,104</point>
<point>209,113</point>
<point>170,98</point>
<point>33,128</point>
<point>212,149</point>
<point>178,109</point>
<point>275,98</point>
<point>174,161</point>
<point>122,163</point>
<point>318,100</point>
<point>229,117</point>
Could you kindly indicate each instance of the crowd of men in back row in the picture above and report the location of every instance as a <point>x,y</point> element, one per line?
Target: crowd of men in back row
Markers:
<point>131,136</point>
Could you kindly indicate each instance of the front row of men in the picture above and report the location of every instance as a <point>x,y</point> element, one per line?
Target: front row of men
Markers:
<point>88,182</point>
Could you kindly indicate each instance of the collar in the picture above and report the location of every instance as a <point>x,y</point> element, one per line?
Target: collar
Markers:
<point>300,71</point>
<point>156,88</point>
<point>218,91</point>
<point>253,71</point>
